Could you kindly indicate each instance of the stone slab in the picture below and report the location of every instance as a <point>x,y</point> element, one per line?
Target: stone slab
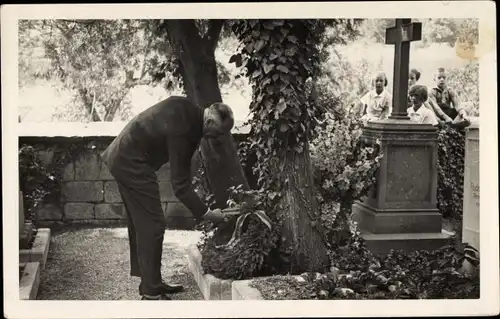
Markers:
<point>87,167</point>
<point>396,221</point>
<point>241,290</point>
<point>381,244</point>
<point>30,281</point>
<point>49,212</point>
<point>210,286</point>
<point>40,250</point>
<point>104,173</point>
<point>112,193</point>
<point>110,211</point>
<point>79,211</point>
<point>69,172</point>
<point>83,191</point>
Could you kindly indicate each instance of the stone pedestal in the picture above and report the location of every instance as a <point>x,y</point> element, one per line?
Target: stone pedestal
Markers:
<point>470,228</point>
<point>400,211</point>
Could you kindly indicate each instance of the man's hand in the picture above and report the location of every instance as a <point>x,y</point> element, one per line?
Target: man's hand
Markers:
<point>215,216</point>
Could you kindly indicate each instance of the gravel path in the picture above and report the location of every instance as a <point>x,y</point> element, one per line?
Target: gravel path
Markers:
<point>93,264</point>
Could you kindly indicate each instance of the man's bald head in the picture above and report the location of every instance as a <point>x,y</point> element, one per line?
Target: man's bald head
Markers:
<point>218,119</point>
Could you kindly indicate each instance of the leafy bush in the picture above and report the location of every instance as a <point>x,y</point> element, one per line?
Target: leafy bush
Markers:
<point>34,180</point>
<point>416,275</point>
<point>344,171</point>
<point>451,153</point>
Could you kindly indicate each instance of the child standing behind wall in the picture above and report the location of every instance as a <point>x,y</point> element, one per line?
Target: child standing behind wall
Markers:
<point>413,78</point>
<point>445,97</point>
<point>417,112</point>
<point>377,104</point>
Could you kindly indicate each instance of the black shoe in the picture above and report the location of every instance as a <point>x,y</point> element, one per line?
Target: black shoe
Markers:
<point>167,288</point>
<point>159,297</point>
<point>171,288</point>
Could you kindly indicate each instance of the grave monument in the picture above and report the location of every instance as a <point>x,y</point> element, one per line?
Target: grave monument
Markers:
<point>401,211</point>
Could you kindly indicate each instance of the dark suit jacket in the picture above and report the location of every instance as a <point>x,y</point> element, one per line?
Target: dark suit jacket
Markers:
<point>169,131</point>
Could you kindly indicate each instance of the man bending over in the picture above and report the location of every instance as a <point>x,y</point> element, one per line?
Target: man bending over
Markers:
<point>169,131</point>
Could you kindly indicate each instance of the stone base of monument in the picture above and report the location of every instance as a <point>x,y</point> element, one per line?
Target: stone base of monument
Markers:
<point>381,244</point>
<point>39,251</point>
<point>210,286</point>
<point>400,212</point>
<point>241,290</point>
<point>29,281</point>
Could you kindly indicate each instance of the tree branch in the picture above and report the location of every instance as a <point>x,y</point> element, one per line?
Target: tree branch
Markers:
<point>213,33</point>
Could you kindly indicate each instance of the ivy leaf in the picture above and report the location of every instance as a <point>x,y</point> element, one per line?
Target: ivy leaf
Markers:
<point>278,23</point>
<point>283,128</point>
<point>276,77</point>
<point>281,106</point>
<point>285,78</point>
<point>268,67</point>
<point>283,68</point>
<point>268,24</point>
<point>236,58</point>
<point>291,50</point>
<point>284,31</point>
<point>249,47</point>
<point>272,56</point>
<point>292,39</point>
<point>259,45</point>
<point>256,73</point>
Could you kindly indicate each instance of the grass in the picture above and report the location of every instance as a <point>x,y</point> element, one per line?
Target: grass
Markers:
<point>93,264</point>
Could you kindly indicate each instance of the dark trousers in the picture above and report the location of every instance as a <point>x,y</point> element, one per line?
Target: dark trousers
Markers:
<point>146,228</point>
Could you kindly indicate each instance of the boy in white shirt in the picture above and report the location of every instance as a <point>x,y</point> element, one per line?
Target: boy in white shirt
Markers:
<point>418,112</point>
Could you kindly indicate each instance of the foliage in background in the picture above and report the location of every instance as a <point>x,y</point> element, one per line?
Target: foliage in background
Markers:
<point>95,59</point>
<point>465,82</point>
<point>434,30</point>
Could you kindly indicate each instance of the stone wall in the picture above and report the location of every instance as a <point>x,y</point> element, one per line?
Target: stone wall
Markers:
<point>89,194</point>
<point>471,187</point>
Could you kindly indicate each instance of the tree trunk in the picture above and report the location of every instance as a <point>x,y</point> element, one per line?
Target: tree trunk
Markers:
<point>88,104</point>
<point>199,74</point>
<point>308,249</point>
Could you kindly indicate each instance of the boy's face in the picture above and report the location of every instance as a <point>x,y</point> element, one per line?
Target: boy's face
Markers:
<point>412,79</point>
<point>441,79</point>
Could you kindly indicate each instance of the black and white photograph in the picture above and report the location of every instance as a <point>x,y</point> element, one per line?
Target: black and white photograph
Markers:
<point>323,153</point>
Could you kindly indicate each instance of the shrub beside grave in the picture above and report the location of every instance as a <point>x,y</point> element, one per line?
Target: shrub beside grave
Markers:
<point>451,157</point>
<point>417,275</point>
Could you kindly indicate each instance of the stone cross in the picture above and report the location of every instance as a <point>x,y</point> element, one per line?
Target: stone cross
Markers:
<point>401,35</point>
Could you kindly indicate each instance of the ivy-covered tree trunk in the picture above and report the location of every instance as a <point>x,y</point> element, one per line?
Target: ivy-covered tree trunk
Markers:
<point>196,53</point>
<point>299,203</point>
<point>279,56</point>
